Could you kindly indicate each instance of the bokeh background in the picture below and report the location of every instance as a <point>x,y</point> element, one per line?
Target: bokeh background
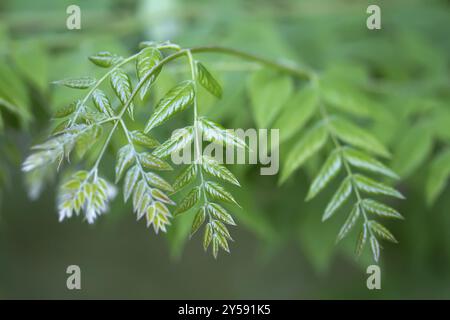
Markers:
<point>281,248</point>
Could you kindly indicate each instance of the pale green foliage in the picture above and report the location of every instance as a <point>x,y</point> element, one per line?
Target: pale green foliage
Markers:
<point>87,192</point>
<point>216,233</point>
<point>81,124</point>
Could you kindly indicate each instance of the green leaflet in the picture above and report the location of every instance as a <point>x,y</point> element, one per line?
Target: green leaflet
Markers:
<point>199,219</point>
<point>149,161</point>
<point>143,139</point>
<point>125,158</point>
<point>363,161</point>
<point>146,61</point>
<point>312,142</point>
<point>375,245</point>
<point>179,140</point>
<point>328,171</point>
<point>207,236</point>
<point>221,229</point>
<point>380,209</point>
<point>76,83</point>
<point>176,100</point>
<point>161,196</point>
<point>362,239</point>
<point>349,223</point>
<point>220,213</point>
<point>215,246</point>
<point>371,186</point>
<point>104,59</point>
<point>189,201</point>
<point>121,84</point>
<point>412,150</point>
<point>437,176</point>
<point>338,199</point>
<point>158,182</point>
<point>207,80</point>
<point>131,179</point>
<point>65,111</point>
<point>161,44</point>
<point>215,133</point>
<point>141,198</point>
<point>79,193</point>
<point>187,176</point>
<point>268,91</point>
<point>102,103</point>
<point>381,231</point>
<point>217,192</point>
<point>212,167</point>
<point>296,112</point>
<point>353,135</point>
<point>158,215</point>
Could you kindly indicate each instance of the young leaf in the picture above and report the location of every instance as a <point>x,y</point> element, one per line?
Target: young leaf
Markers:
<point>349,223</point>
<point>353,135</point>
<point>339,198</point>
<point>121,84</point>
<point>189,201</point>
<point>380,209</point>
<point>141,198</point>
<point>371,186</point>
<point>143,139</point>
<point>375,245</point>
<point>216,191</point>
<point>207,236</point>
<point>179,140</point>
<point>207,81</point>
<point>198,220</point>
<point>220,213</point>
<point>215,246</point>
<point>311,143</point>
<point>102,103</point>
<point>363,161</point>
<point>146,61</point>
<point>361,242</point>
<point>381,231</point>
<point>104,59</point>
<point>76,83</point>
<point>131,179</point>
<point>213,132</point>
<point>220,228</point>
<point>212,167</point>
<point>186,177</point>
<point>329,170</point>
<point>223,243</point>
<point>65,111</point>
<point>160,217</point>
<point>149,161</point>
<point>158,182</point>
<point>125,158</point>
<point>161,196</point>
<point>176,100</point>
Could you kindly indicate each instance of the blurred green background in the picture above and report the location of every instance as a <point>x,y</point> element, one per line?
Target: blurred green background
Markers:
<point>281,248</point>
